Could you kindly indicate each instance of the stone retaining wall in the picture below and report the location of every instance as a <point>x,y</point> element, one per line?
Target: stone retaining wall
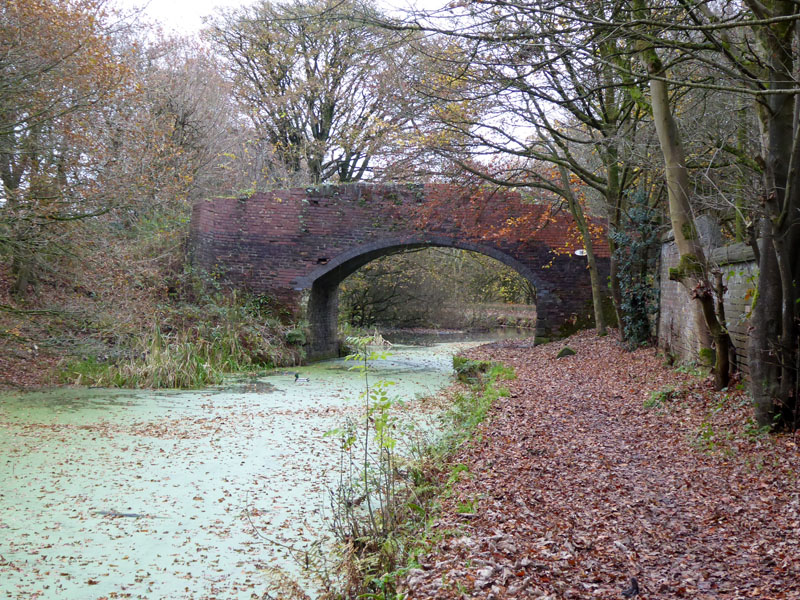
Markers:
<point>681,328</point>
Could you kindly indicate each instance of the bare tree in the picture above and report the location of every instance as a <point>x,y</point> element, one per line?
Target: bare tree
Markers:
<point>323,91</point>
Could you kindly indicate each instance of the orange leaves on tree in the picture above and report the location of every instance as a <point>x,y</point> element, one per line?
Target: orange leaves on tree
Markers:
<point>489,212</point>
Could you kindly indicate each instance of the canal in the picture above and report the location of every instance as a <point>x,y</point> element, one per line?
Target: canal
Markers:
<point>202,494</point>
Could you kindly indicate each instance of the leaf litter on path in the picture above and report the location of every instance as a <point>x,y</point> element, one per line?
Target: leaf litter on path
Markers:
<point>578,488</point>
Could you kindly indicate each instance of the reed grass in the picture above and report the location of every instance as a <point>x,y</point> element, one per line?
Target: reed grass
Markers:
<point>193,346</point>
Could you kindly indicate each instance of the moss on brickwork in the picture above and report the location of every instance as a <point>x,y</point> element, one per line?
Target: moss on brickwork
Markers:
<point>689,231</point>
<point>609,314</point>
<point>687,265</point>
<point>585,320</point>
<point>573,326</point>
<point>708,356</point>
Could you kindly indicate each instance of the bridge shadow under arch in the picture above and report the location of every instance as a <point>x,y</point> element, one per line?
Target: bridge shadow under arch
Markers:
<point>322,284</point>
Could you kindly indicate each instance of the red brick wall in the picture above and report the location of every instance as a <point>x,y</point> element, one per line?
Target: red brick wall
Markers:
<point>281,242</point>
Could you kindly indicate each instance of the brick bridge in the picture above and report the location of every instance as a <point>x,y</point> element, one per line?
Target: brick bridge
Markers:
<point>297,245</point>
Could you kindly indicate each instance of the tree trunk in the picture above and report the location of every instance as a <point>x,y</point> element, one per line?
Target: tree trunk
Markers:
<point>741,179</point>
<point>616,292</point>
<point>774,346</point>
<point>583,228</point>
<point>765,369</point>
<point>22,271</point>
<point>692,270</point>
<point>610,157</point>
<point>614,202</point>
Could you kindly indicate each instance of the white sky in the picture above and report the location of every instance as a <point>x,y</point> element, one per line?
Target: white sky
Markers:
<point>186,16</point>
<point>178,16</point>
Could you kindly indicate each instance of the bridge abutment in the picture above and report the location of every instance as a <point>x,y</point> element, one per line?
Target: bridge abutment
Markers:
<point>323,314</point>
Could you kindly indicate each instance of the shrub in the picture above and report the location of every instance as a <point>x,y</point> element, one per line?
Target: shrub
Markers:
<point>469,371</point>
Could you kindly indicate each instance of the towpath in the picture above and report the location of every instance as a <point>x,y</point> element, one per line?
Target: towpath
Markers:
<point>582,479</point>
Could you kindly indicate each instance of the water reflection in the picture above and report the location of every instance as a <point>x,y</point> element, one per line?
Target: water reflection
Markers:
<point>421,337</point>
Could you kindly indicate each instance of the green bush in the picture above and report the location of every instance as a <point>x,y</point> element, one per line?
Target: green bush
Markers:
<point>635,254</point>
<point>469,371</point>
<point>296,336</point>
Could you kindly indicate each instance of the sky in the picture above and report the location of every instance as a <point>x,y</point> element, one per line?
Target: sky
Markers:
<point>185,17</point>
<point>179,16</point>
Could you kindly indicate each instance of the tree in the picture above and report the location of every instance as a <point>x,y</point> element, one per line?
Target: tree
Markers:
<point>324,92</point>
<point>570,93</point>
<point>693,270</point>
<point>535,108</point>
<point>98,127</point>
<point>747,49</point>
<point>764,65</point>
<point>635,243</point>
<point>57,64</point>
<point>173,133</point>
<point>774,349</point>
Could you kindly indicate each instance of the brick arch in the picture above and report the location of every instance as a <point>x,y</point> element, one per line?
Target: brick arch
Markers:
<point>349,261</point>
<point>300,243</point>
<point>323,282</point>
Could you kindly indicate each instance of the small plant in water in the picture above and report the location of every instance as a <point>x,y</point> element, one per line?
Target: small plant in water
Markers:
<point>367,503</point>
<point>382,507</point>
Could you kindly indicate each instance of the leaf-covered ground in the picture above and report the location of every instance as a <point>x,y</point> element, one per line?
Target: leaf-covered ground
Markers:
<point>581,480</point>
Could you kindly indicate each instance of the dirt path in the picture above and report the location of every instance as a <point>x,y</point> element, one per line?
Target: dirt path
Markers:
<point>576,487</point>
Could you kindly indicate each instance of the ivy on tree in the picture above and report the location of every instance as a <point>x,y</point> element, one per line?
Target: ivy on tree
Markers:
<point>635,243</point>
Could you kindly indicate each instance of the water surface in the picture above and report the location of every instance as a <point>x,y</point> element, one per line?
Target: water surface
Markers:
<point>112,494</point>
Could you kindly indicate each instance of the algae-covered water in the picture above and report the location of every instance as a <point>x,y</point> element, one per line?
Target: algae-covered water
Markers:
<point>120,494</point>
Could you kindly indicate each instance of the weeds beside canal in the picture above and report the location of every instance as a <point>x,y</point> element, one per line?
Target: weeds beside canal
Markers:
<point>385,504</point>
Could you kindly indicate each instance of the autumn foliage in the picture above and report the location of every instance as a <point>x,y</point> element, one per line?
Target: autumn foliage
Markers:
<point>492,213</point>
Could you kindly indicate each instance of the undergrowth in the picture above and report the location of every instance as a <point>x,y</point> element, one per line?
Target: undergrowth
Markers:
<point>726,427</point>
<point>384,508</point>
<point>129,310</point>
<point>191,345</point>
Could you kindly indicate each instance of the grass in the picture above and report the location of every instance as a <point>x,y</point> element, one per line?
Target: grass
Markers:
<point>469,507</point>
<point>193,346</point>
<point>373,567</point>
<point>469,371</point>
